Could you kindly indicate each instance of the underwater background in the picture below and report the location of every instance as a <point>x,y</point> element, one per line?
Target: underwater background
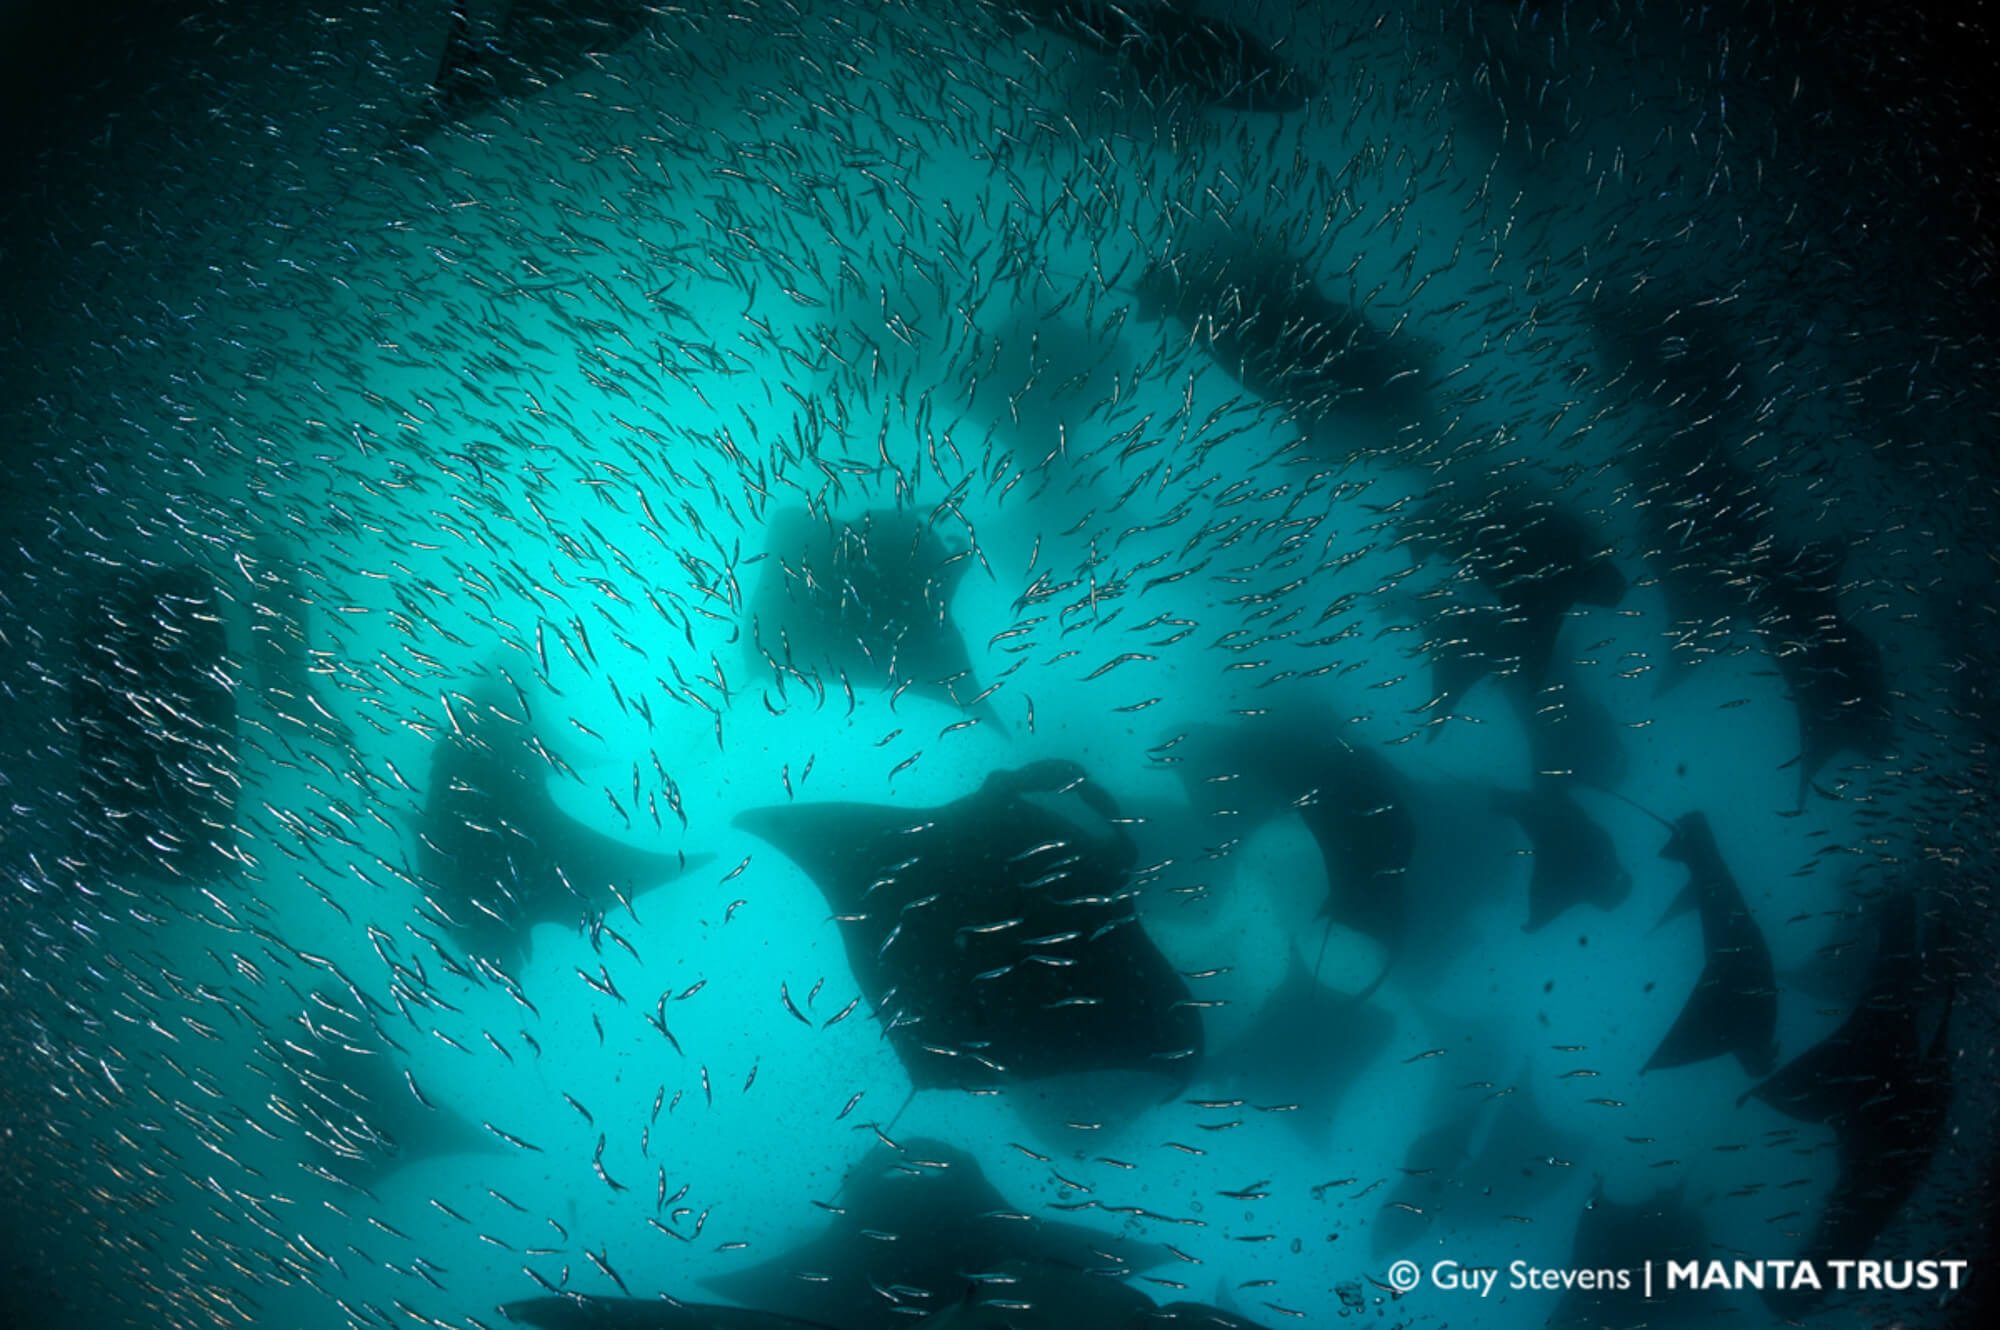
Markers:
<point>1022,663</point>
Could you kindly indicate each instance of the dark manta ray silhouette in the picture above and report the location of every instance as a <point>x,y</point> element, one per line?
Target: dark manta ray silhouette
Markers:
<point>153,704</point>
<point>1191,1316</point>
<point>1537,563</point>
<point>1704,519</point>
<point>1173,50</point>
<point>1260,314</point>
<point>1575,860</point>
<point>870,597</point>
<point>1838,682</point>
<point>1573,736</point>
<point>1734,1006</point>
<point>573,1311</point>
<point>1006,1295</point>
<point>1876,1048</point>
<point>994,936</point>
<point>1977,1305</point>
<point>1885,1093</point>
<point>1037,1295</point>
<point>1042,381</point>
<point>1685,354</point>
<point>282,657</point>
<point>536,43</point>
<point>1703,536</point>
<point>497,853</point>
<point>1301,1050</point>
<point>1625,1237</point>
<point>1354,803</point>
<point>911,1227</point>
<point>1885,1147</point>
<point>355,1101</point>
<point>1496,1159</point>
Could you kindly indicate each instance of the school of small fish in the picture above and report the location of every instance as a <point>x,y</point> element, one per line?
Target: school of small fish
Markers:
<point>767,664</point>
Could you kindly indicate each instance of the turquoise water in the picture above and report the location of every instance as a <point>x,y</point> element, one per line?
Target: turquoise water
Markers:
<point>508,426</point>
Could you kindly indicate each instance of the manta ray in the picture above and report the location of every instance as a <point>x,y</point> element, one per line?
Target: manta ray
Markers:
<point>1573,736</point>
<point>1012,1294</point>
<point>499,855</point>
<point>153,707</point>
<point>353,1097</point>
<point>1977,1304</point>
<point>1703,536</point>
<point>909,1229</point>
<point>1173,51</point>
<point>1498,1158</point>
<point>575,1311</point>
<point>1734,1006</point>
<point>1885,1146</point>
<point>1704,519</point>
<point>1040,1295</point>
<point>282,657</point>
<point>869,598</point>
<point>994,936</point>
<point>1610,1236</point>
<point>1883,1088</point>
<point>1259,313</point>
<point>1683,352</point>
<point>1303,1047</point>
<point>1353,802</point>
<point>1876,1048</point>
<point>535,44</point>
<point>1575,860</point>
<point>1835,672</point>
<point>1535,562</point>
